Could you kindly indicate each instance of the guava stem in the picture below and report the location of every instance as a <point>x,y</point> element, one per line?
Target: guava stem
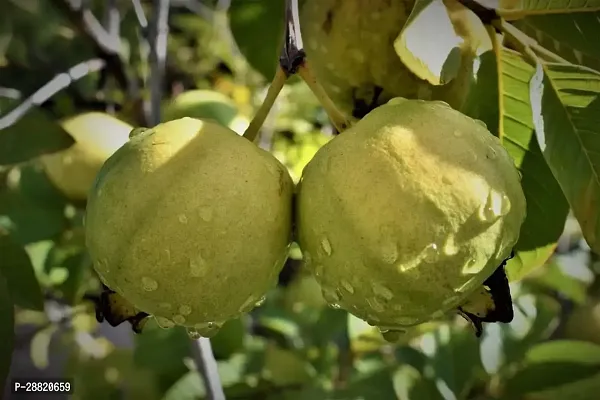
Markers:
<point>257,122</point>
<point>338,119</point>
<point>207,366</point>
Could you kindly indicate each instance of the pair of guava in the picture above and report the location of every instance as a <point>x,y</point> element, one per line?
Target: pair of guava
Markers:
<point>401,218</point>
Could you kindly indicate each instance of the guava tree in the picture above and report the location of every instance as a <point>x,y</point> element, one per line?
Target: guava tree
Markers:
<point>300,199</point>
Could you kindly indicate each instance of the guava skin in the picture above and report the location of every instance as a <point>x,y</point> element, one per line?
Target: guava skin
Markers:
<point>408,212</point>
<point>190,222</point>
<point>350,48</point>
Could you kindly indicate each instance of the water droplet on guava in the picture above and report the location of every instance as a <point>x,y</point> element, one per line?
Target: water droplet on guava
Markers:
<point>348,286</point>
<point>319,271</point>
<point>330,295</point>
<point>335,306</point>
<point>431,253</point>
<point>198,267</point>
<point>165,306</point>
<point>149,284</point>
<point>208,329</point>
<point>393,335</point>
<point>490,153</point>
<point>375,304</point>
<point>248,305</point>
<point>164,323</point>
<point>492,209</point>
<point>457,133</point>
<point>193,333</point>
<point>407,320</point>
<point>505,205</point>
<point>480,123</point>
<point>437,315</point>
<point>167,255</point>
<point>389,252</point>
<point>184,309</point>
<point>206,213</point>
<point>260,301</point>
<point>326,245</point>
<point>182,218</point>
<point>179,319</point>
<point>382,291</point>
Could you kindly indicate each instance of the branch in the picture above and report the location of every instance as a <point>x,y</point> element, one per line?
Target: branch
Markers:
<point>158,32</point>
<point>106,46</point>
<point>207,365</point>
<point>43,94</point>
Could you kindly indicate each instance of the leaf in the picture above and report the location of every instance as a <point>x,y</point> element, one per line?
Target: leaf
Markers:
<point>230,339</point>
<point>566,112</point>
<point>431,54</point>
<point>7,330</point>
<point>511,9</point>
<point>410,384</point>
<point>375,385</point>
<point>258,29</point>
<point>286,368</point>
<point>583,389</point>
<point>571,36</point>
<point>31,209</point>
<point>546,207</point>
<point>555,279</point>
<point>17,269</point>
<point>40,346</point>
<point>33,135</point>
<point>554,364</point>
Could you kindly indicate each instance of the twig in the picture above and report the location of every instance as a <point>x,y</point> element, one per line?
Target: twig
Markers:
<point>58,83</point>
<point>207,365</point>
<point>139,14</point>
<point>105,46</point>
<point>112,22</point>
<point>158,32</point>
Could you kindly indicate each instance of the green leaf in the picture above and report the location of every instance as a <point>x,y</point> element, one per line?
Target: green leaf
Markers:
<point>375,385</point>
<point>70,256</point>
<point>40,346</point>
<point>33,135</point>
<point>555,279</point>
<point>571,36</point>
<point>162,351</point>
<point>566,111</point>
<point>431,54</point>
<point>230,339</point>
<point>582,389</point>
<point>17,269</point>
<point>547,208</point>
<point>258,29</point>
<point>510,9</point>
<point>554,364</point>
<point>285,368</point>
<point>7,330</point>
<point>410,384</point>
<point>31,209</point>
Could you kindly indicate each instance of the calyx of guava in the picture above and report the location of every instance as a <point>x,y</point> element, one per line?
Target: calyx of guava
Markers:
<point>97,136</point>
<point>350,48</point>
<point>190,222</point>
<point>405,215</point>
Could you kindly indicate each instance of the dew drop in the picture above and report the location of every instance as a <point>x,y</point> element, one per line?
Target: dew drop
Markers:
<point>348,286</point>
<point>326,245</point>
<point>164,323</point>
<point>182,218</point>
<point>389,253</point>
<point>193,333</point>
<point>260,301</point>
<point>505,205</point>
<point>457,133</point>
<point>393,335</point>
<point>208,329</point>
<point>407,321</point>
<point>185,309</point>
<point>165,306</point>
<point>330,295</point>
<point>375,304</point>
<point>179,319</point>
<point>437,315</point>
<point>492,209</point>
<point>431,253</point>
<point>470,268</point>
<point>442,103</point>
<point>198,267</point>
<point>319,271</point>
<point>335,306</point>
<point>480,123</point>
<point>149,284</point>
<point>382,291</point>
<point>206,213</point>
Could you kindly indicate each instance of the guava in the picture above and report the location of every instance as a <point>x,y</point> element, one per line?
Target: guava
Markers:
<point>97,136</point>
<point>407,213</point>
<point>350,48</point>
<point>584,322</point>
<point>190,222</point>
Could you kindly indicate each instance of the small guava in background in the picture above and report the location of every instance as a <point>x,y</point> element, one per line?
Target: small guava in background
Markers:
<point>404,215</point>
<point>191,223</point>
<point>205,104</point>
<point>97,136</point>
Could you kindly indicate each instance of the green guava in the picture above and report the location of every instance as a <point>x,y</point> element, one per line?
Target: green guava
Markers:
<point>190,222</point>
<point>97,136</point>
<point>350,48</point>
<point>404,215</point>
